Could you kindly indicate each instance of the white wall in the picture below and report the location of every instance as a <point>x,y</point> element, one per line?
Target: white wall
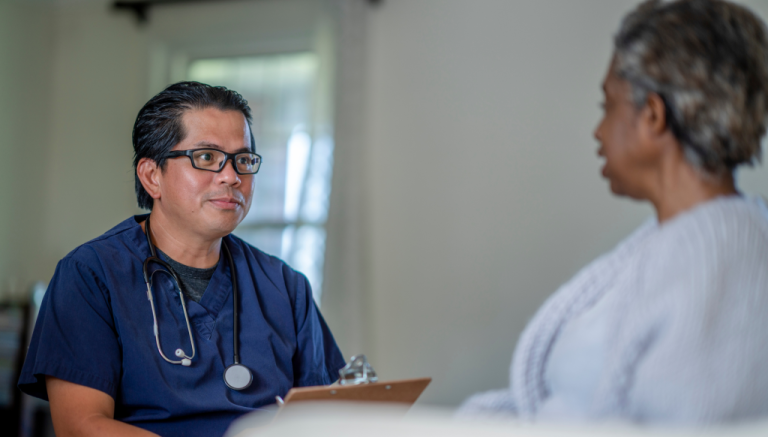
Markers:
<point>75,77</point>
<point>99,84</point>
<point>469,187</point>
<point>26,52</point>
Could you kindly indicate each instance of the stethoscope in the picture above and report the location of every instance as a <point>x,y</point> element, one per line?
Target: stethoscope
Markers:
<point>236,376</point>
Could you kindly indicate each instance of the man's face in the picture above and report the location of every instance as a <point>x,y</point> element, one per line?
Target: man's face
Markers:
<point>621,141</point>
<point>208,203</point>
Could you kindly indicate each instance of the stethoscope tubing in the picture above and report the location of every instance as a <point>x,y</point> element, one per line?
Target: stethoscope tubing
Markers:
<point>236,376</point>
<point>235,306</point>
<point>186,360</point>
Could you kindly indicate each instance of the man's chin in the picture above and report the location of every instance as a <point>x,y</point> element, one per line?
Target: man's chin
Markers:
<point>224,223</point>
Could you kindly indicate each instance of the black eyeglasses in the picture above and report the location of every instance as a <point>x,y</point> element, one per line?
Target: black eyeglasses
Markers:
<point>215,159</point>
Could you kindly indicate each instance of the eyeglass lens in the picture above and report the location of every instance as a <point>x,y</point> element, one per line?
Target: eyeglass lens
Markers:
<point>214,160</point>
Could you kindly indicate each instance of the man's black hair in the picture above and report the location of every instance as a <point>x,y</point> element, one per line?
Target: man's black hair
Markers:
<point>158,127</point>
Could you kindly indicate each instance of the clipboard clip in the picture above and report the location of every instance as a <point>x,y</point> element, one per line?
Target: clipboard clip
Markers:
<point>357,371</point>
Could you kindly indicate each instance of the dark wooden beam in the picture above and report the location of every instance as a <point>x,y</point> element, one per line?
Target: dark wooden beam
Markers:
<point>140,8</point>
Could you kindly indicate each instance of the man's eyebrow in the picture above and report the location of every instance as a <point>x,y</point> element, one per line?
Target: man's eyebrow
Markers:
<point>208,145</point>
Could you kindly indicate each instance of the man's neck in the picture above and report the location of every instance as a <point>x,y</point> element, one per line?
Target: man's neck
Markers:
<point>181,245</point>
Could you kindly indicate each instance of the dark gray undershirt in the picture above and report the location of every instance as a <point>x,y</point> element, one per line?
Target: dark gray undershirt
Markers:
<point>193,281</point>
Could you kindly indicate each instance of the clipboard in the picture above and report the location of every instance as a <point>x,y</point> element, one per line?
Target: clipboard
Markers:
<point>404,391</point>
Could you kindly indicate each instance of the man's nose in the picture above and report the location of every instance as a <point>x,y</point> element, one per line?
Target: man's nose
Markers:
<point>228,175</point>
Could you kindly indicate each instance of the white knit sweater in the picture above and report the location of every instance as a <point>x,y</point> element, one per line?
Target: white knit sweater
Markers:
<point>688,333</point>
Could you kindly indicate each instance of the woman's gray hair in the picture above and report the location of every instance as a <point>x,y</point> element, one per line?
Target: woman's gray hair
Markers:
<point>708,61</point>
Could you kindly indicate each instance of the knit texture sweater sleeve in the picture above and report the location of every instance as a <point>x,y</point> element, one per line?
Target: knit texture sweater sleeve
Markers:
<point>492,403</point>
<point>526,388</point>
<point>690,343</point>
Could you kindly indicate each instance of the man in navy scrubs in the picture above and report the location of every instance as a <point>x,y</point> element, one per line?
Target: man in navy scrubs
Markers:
<point>95,354</point>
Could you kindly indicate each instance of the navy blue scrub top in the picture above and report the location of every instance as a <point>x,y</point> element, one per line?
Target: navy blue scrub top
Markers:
<point>95,329</point>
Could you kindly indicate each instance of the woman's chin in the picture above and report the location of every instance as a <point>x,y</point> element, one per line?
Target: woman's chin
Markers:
<point>618,189</point>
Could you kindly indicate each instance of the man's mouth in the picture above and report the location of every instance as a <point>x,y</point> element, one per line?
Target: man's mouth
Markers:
<point>226,202</point>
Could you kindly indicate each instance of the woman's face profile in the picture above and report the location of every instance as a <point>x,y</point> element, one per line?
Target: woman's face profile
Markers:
<point>620,141</point>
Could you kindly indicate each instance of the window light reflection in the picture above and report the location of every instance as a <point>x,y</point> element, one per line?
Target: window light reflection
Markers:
<point>297,159</point>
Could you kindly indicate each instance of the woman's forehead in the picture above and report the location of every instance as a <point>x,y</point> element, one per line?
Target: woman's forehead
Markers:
<point>615,86</point>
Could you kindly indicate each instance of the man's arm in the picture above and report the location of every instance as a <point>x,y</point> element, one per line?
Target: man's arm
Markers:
<point>317,359</point>
<point>78,410</point>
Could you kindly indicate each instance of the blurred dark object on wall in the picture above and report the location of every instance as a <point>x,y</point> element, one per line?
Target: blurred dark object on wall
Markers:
<point>140,8</point>
<point>14,323</point>
<point>21,415</point>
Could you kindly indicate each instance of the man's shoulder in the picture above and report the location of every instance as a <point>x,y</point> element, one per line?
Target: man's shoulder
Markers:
<point>90,251</point>
<point>251,251</point>
<point>272,266</point>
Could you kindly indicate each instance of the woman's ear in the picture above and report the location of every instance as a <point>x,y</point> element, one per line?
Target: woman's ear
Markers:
<point>149,175</point>
<point>655,114</point>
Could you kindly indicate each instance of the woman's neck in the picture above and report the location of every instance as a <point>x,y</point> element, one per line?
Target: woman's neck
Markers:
<point>680,187</point>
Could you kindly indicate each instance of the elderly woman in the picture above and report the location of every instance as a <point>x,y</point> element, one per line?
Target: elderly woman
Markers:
<point>672,325</point>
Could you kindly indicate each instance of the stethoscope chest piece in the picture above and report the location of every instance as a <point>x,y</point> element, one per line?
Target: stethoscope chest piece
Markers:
<point>237,377</point>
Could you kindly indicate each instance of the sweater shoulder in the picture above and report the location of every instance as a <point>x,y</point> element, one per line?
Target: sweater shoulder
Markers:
<point>723,224</point>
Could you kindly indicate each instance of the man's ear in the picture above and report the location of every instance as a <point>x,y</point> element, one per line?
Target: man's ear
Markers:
<point>149,174</point>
